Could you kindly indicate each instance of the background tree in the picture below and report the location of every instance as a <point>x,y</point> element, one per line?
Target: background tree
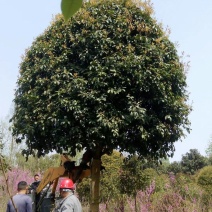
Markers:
<point>110,178</point>
<point>192,161</point>
<point>110,181</point>
<point>109,78</point>
<point>175,167</point>
<point>37,165</point>
<point>132,177</point>
<point>11,148</point>
<point>209,152</point>
<point>209,160</point>
<point>209,149</point>
<point>161,165</point>
<point>204,179</point>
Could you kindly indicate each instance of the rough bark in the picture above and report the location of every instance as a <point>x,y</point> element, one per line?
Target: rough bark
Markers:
<point>95,180</point>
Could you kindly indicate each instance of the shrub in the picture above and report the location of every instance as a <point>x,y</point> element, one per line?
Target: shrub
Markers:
<point>180,194</point>
<point>204,179</point>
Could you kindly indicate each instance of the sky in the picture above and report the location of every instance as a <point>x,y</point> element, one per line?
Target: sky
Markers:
<point>190,22</point>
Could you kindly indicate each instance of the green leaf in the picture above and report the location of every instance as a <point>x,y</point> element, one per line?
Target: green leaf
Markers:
<point>70,7</point>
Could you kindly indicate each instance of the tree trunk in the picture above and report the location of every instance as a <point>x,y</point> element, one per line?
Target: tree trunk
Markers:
<point>135,203</point>
<point>121,206</point>
<point>95,180</point>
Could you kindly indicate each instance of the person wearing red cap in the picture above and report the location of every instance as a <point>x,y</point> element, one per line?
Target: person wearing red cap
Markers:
<point>69,202</point>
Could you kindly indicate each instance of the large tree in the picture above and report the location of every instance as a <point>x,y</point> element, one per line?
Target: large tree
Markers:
<point>108,79</point>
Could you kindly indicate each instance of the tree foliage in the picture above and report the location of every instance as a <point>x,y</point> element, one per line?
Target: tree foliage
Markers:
<point>175,167</point>
<point>160,165</point>
<point>204,179</point>
<point>132,177</point>
<point>70,7</point>
<point>192,161</point>
<point>209,149</point>
<point>109,78</point>
<point>110,178</point>
<point>210,160</point>
<point>37,165</point>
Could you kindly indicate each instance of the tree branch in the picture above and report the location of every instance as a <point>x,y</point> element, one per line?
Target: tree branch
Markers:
<point>6,181</point>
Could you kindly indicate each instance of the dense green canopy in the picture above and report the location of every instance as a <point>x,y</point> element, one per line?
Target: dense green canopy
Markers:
<point>107,79</point>
<point>192,161</point>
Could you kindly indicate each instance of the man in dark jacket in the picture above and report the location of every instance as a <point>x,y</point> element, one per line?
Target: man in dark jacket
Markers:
<point>35,184</point>
<point>23,203</point>
<point>33,188</point>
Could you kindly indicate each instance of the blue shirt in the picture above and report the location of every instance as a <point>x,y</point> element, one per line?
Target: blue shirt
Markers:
<point>22,202</point>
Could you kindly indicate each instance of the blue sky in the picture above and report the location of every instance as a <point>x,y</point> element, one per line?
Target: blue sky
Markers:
<point>191,27</point>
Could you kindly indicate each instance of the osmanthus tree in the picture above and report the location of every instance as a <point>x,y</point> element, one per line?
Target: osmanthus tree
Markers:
<point>107,79</point>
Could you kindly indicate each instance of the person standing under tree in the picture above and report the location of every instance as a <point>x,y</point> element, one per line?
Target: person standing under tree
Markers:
<point>69,202</point>
<point>23,203</point>
<point>33,188</point>
<point>36,182</point>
